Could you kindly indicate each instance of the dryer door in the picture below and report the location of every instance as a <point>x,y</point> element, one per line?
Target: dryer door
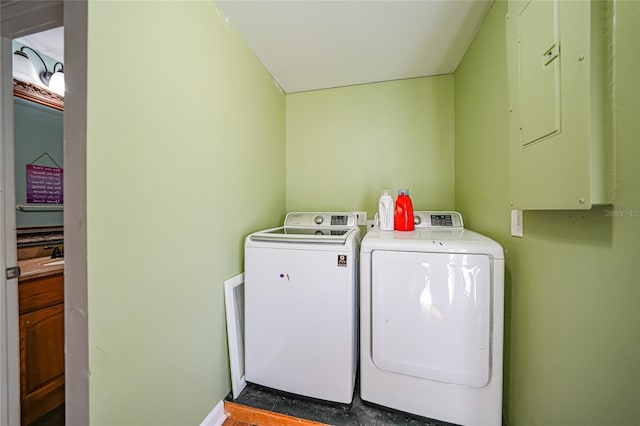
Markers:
<point>431,316</point>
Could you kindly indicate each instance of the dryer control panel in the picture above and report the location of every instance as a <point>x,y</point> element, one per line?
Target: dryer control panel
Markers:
<point>438,219</point>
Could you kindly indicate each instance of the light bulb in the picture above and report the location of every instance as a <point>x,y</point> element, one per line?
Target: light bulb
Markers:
<point>56,84</point>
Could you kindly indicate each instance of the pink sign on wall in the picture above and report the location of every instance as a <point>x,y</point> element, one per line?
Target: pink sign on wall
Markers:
<point>44,184</point>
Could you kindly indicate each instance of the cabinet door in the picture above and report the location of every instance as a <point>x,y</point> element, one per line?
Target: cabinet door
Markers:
<point>41,361</point>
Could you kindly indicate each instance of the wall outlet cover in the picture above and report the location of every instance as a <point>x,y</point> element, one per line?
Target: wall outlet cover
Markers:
<point>517,228</point>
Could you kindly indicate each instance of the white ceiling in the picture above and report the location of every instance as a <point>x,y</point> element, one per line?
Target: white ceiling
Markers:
<point>317,44</point>
<point>50,43</point>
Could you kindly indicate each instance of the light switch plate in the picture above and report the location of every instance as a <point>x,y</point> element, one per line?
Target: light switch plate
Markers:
<point>517,228</point>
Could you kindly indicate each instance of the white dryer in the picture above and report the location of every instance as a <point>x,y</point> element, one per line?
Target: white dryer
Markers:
<point>301,306</point>
<point>431,321</point>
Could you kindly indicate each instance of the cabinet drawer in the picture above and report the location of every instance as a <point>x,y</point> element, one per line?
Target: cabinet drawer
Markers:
<point>41,292</point>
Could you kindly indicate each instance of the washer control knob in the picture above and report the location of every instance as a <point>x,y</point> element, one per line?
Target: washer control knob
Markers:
<point>319,220</point>
<point>417,220</point>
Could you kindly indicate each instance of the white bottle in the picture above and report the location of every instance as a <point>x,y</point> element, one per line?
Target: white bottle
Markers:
<point>385,211</point>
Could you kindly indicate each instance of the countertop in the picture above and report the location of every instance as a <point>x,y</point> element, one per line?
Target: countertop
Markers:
<point>38,267</point>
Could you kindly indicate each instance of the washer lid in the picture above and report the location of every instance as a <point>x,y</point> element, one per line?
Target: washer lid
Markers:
<point>304,235</point>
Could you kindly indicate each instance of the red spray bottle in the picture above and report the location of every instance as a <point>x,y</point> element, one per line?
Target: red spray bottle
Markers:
<point>404,212</point>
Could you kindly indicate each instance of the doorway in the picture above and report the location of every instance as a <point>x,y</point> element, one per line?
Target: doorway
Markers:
<point>39,172</point>
<point>20,18</point>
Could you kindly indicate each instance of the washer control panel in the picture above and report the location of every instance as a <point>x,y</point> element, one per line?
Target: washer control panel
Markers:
<point>320,219</point>
<point>438,219</point>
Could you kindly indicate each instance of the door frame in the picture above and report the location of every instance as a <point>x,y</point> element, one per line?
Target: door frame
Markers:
<point>9,335</point>
<point>18,18</point>
<point>76,316</point>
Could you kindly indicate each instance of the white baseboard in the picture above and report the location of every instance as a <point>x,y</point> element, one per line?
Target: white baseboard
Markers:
<point>216,417</point>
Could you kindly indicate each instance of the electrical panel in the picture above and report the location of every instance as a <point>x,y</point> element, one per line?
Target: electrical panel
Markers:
<point>560,142</point>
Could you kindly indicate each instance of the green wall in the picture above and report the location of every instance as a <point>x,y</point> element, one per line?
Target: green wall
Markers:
<point>37,130</point>
<point>573,290</point>
<point>184,161</point>
<point>185,157</point>
<point>345,145</point>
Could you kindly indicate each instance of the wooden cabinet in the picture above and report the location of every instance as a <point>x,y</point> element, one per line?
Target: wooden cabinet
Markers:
<point>560,139</point>
<point>41,303</point>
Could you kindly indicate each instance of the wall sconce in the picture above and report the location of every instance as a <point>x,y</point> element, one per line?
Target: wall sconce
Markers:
<point>24,70</point>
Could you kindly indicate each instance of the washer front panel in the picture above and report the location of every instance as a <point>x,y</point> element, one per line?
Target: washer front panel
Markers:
<point>431,316</point>
<point>300,318</point>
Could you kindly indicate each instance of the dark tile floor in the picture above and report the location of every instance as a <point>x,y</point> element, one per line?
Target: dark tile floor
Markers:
<point>358,413</point>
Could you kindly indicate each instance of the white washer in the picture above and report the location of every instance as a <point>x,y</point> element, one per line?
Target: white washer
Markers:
<point>301,306</point>
<point>431,321</point>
